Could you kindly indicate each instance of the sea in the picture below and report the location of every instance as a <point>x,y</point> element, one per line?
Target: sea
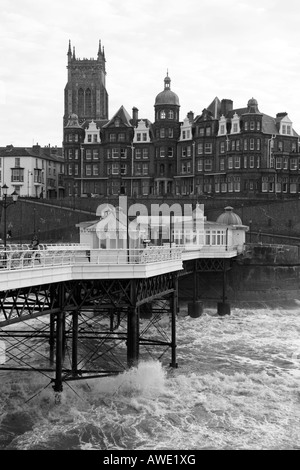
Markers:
<point>236,387</point>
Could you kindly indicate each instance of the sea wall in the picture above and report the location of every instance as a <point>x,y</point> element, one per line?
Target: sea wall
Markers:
<point>263,273</point>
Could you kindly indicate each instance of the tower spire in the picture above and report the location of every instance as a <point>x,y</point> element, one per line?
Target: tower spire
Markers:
<point>99,48</point>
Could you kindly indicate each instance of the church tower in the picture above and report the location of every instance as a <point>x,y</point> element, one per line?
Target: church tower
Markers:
<point>85,92</point>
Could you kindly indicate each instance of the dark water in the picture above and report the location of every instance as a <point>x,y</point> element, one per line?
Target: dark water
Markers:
<point>236,387</point>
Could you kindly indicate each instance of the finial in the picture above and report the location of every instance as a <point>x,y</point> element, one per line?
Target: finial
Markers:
<point>69,50</point>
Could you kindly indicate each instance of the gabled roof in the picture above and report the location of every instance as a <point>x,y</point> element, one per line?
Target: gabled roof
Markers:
<point>99,123</point>
<point>124,117</point>
<point>215,107</point>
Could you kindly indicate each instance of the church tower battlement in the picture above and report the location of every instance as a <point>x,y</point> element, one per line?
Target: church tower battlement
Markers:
<point>85,92</point>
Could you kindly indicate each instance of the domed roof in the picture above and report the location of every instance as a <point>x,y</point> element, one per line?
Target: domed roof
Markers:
<point>73,121</point>
<point>167,96</point>
<point>253,106</point>
<point>229,217</point>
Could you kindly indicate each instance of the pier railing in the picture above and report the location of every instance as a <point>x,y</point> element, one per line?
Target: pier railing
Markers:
<point>57,256</point>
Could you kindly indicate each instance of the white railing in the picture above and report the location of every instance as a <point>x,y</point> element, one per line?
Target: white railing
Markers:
<point>151,254</point>
<point>24,259</point>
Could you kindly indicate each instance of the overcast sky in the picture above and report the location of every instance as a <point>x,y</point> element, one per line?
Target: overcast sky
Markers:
<point>235,49</point>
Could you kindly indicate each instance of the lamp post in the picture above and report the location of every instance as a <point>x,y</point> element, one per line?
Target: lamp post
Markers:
<point>5,204</point>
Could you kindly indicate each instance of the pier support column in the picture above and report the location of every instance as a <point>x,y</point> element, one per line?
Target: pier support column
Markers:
<point>133,329</point>
<point>224,307</point>
<point>195,308</point>
<point>52,338</point>
<point>59,342</point>
<point>174,308</point>
<point>75,344</point>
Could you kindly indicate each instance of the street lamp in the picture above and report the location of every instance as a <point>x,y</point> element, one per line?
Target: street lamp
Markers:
<point>5,204</point>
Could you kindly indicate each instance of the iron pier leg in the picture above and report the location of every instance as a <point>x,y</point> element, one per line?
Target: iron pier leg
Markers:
<point>133,329</point>
<point>224,307</point>
<point>174,307</point>
<point>195,308</point>
<point>59,341</point>
<point>52,338</point>
<point>75,344</point>
<point>59,353</point>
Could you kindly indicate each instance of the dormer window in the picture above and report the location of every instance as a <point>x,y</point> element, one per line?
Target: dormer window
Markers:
<point>235,124</point>
<point>222,126</point>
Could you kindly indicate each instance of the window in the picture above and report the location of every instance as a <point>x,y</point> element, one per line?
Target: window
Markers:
<point>138,136</point>
<point>76,154</point>
<point>171,114</point>
<point>145,168</point>
<point>238,145</point>
<point>285,163</point>
<point>70,170</point>
<point>170,152</point>
<point>246,126</point>
<point>121,137</point>
<point>258,162</point>
<point>222,164</point>
<point>145,153</point>
<point>189,151</point>
<point>288,130</point>
<point>251,144</point>
<point>201,131</point>
<point>138,153</point>
<point>237,162</point>
<point>17,175</point>
<point>145,136</point>
<point>115,153</point>
<point>245,144</point>
<point>233,145</point>
<point>95,154</point>
<point>183,152</point>
<point>112,137</point>
<point>258,125</point>
<point>89,138</point>
<point>208,165</point>
<point>208,148</point>
<point>200,149</point>
<point>88,154</point>
<point>183,168</point>
<point>70,138</point>
<point>170,132</point>
<point>115,169</point>
<point>200,165</point>
<point>162,114</point>
<point>230,163</point>
<point>257,144</point>
<point>188,167</point>
<point>123,152</point>
<point>222,129</point>
<point>278,163</point>
<point>252,125</point>
<point>222,147</point>
<point>235,127</point>
<point>293,164</point>
<point>162,133</point>
<point>251,164</point>
<point>208,131</point>
<point>237,184</point>
<point>95,138</point>
<point>70,154</point>
<point>162,152</point>
<point>108,153</point>
<point>95,170</point>
<point>88,170</point>
<point>123,168</point>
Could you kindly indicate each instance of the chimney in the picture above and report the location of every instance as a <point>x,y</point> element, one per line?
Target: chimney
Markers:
<point>226,107</point>
<point>135,115</point>
<point>190,116</point>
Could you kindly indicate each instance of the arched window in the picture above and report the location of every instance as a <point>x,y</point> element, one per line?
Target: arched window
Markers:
<point>163,114</point>
<point>88,102</point>
<point>80,102</point>
<point>171,114</point>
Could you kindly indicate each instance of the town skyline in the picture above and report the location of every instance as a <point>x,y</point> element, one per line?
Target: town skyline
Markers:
<point>234,51</point>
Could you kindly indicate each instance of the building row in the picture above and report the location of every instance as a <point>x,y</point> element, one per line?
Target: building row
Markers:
<point>224,150</point>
